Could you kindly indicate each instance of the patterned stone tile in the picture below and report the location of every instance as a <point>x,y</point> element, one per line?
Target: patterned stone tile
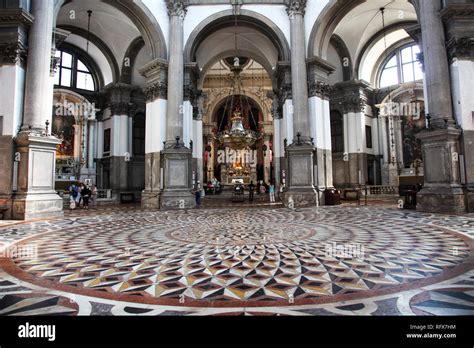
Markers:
<point>274,259</point>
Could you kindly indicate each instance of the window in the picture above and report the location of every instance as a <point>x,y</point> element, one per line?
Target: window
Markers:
<point>139,135</point>
<point>402,67</point>
<point>368,137</point>
<point>107,142</point>
<point>72,72</point>
<point>337,132</point>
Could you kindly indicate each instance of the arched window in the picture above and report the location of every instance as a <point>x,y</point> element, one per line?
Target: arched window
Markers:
<point>73,72</point>
<point>402,67</point>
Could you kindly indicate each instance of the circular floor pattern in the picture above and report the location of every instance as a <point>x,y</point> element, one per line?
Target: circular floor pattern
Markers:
<point>237,258</point>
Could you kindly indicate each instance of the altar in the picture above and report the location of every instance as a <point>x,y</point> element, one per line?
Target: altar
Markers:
<point>238,174</point>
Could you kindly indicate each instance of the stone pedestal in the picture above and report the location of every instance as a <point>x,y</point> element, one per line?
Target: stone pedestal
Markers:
<point>36,197</point>
<point>442,191</point>
<point>151,194</point>
<point>301,191</point>
<point>177,164</point>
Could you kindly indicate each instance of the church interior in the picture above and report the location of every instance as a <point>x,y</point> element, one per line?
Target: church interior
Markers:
<point>254,157</point>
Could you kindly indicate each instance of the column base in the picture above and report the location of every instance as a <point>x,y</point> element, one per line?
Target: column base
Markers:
<point>150,200</point>
<point>300,198</point>
<point>442,200</point>
<point>178,166</point>
<point>301,192</point>
<point>470,199</point>
<point>37,206</point>
<point>177,200</point>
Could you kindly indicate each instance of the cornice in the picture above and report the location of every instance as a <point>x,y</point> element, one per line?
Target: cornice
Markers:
<point>9,17</point>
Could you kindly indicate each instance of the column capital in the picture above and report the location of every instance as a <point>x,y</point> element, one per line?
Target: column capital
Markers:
<point>119,98</point>
<point>319,89</point>
<point>177,8</point>
<point>296,7</point>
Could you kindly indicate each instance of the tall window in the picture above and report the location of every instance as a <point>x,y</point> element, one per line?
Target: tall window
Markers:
<point>402,67</point>
<point>139,135</point>
<point>337,132</point>
<point>72,72</point>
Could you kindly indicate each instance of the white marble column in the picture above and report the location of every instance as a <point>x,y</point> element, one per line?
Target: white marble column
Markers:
<point>175,114</point>
<point>36,196</point>
<point>38,81</point>
<point>91,149</point>
<point>296,11</point>
<point>435,57</point>
<point>177,157</point>
<point>442,191</point>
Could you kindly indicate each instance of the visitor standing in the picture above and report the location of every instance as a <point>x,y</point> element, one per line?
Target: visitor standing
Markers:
<point>198,193</point>
<point>271,189</point>
<point>86,194</point>
<point>73,192</point>
<point>251,191</point>
<point>94,195</point>
<point>263,188</point>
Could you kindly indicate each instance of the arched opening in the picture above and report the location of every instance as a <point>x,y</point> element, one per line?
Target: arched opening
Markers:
<point>224,162</point>
<point>73,123</point>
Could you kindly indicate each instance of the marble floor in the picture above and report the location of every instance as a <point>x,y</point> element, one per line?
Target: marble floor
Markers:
<point>242,260</point>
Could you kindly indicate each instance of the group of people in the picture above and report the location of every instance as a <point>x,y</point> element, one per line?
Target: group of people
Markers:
<point>82,194</point>
<point>213,187</point>
<point>262,188</point>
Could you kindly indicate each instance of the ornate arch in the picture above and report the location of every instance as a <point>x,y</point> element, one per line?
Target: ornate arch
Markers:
<point>247,17</point>
<point>215,98</point>
<point>143,19</point>
<point>326,23</point>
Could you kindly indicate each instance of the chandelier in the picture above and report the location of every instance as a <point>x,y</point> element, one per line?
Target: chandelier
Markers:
<point>237,138</point>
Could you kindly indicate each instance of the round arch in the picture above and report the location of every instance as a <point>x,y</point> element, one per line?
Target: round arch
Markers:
<point>225,54</point>
<point>326,23</point>
<point>214,115</point>
<point>224,19</point>
<point>216,101</point>
<point>143,19</point>
<point>376,38</point>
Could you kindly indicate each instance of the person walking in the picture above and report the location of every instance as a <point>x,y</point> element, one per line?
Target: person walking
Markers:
<point>94,195</point>
<point>263,188</point>
<point>198,193</point>
<point>251,191</point>
<point>271,190</point>
<point>73,193</point>
<point>86,195</point>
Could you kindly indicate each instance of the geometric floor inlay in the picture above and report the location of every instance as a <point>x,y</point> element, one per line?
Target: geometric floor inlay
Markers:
<point>245,258</point>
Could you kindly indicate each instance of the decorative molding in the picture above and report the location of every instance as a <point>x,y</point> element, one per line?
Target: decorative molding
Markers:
<point>119,98</point>
<point>461,48</point>
<point>296,7</point>
<point>457,11</point>
<point>156,90</point>
<point>153,68</point>
<point>351,96</point>
<point>177,8</point>
<point>11,17</point>
<point>319,89</point>
<point>13,53</point>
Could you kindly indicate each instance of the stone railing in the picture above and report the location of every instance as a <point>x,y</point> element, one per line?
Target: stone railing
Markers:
<point>104,194</point>
<point>381,190</point>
